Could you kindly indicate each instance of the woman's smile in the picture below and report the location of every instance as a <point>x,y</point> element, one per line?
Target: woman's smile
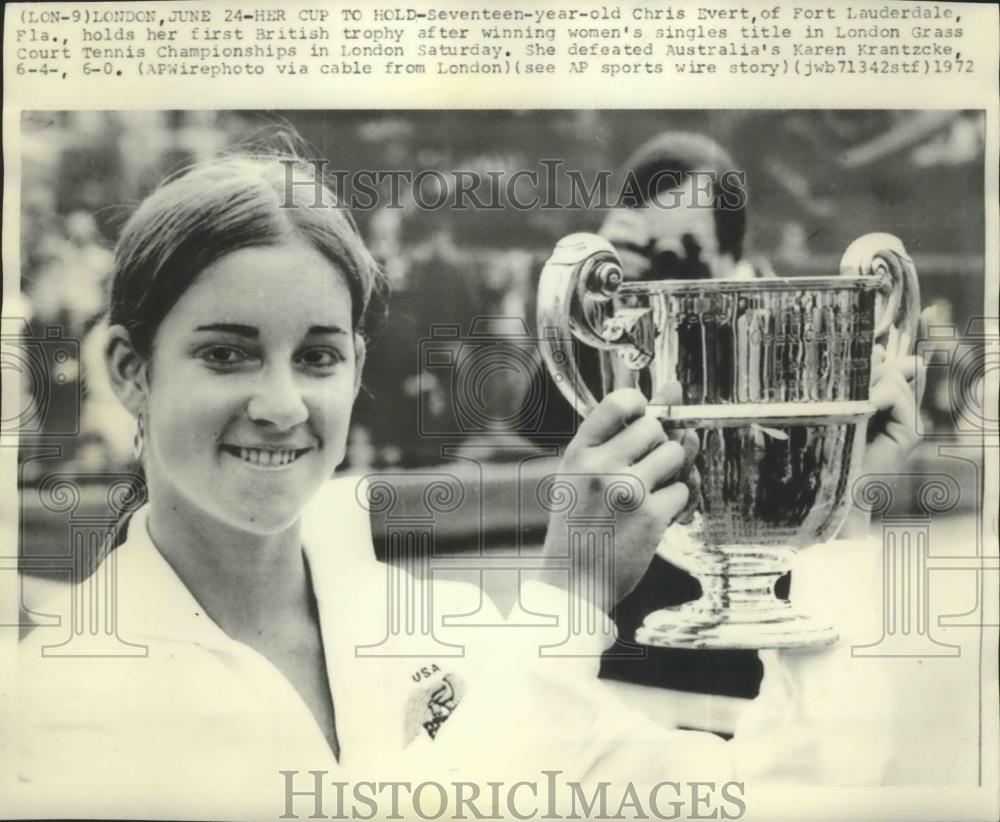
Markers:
<point>268,458</point>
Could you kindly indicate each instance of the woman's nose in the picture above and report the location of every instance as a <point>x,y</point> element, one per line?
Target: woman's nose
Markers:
<point>278,400</point>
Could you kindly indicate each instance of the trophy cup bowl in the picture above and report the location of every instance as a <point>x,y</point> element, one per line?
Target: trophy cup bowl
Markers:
<point>774,377</point>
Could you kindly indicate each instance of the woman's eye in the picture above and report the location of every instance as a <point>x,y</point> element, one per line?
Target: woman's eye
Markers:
<point>321,358</point>
<point>223,355</point>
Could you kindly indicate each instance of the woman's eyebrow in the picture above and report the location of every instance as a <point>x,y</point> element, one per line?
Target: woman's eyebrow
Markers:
<point>326,329</point>
<point>231,328</point>
<point>250,331</point>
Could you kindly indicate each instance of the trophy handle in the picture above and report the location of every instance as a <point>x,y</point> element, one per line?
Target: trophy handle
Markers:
<point>897,309</point>
<point>574,300</point>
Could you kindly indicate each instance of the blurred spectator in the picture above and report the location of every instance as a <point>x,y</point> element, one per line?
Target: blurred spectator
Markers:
<point>679,230</point>
<point>69,286</point>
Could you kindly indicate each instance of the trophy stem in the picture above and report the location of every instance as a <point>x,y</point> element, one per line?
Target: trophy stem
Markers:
<point>737,607</point>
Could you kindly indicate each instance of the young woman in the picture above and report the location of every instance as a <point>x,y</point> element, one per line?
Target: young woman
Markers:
<point>248,595</point>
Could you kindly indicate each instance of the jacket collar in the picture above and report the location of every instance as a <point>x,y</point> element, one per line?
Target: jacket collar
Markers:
<point>153,602</point>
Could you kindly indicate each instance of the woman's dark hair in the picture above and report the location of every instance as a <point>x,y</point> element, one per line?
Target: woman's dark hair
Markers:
<point>668,159</point>
<point>220,206</point>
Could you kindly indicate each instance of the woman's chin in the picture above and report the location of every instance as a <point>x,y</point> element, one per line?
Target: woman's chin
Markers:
<point>262,516</point>
<point>266,522</point>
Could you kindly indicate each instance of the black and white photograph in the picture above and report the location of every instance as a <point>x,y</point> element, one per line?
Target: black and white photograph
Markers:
<point>566,463</point>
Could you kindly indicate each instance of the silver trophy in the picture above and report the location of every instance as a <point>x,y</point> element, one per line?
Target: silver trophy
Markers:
<point>774,375</point>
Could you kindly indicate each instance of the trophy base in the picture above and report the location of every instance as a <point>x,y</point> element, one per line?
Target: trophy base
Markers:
<point>692,626</point>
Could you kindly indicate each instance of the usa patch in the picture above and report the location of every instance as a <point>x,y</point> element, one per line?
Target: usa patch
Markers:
<point>430,706</point>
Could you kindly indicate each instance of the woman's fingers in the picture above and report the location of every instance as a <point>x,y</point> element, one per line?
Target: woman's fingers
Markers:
<point>670,393</point>
<point>892,393</point>
<point>620,436</point>
<point>692,479</point>
<point>907,366</point>
<point>660,465</point>
<point>889,396</point>
<point>635,441</point>
<point>689,439</point>
<point>668,503</point>
<point>894,423</point>
<point>611,415</point>
<point>878,355</point>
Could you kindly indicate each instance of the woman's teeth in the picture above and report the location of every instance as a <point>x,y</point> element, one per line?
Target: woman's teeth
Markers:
<point>269,459</point>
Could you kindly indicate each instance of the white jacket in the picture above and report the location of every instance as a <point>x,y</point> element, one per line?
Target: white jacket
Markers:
<point>202,726</point>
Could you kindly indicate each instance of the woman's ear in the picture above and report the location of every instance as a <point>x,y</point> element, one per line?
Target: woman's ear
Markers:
<point>360,350</point>
<point>126,369</point>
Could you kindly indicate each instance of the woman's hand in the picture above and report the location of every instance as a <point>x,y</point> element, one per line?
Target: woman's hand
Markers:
<point>892,431</point>
<point>618,443</point>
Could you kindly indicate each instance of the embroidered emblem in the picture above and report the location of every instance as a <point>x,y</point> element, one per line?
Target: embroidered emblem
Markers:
<point>430,707</point>
<point>441,705</point>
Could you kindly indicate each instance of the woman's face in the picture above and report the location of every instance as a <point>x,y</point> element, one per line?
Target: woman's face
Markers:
<point>252,378</point>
